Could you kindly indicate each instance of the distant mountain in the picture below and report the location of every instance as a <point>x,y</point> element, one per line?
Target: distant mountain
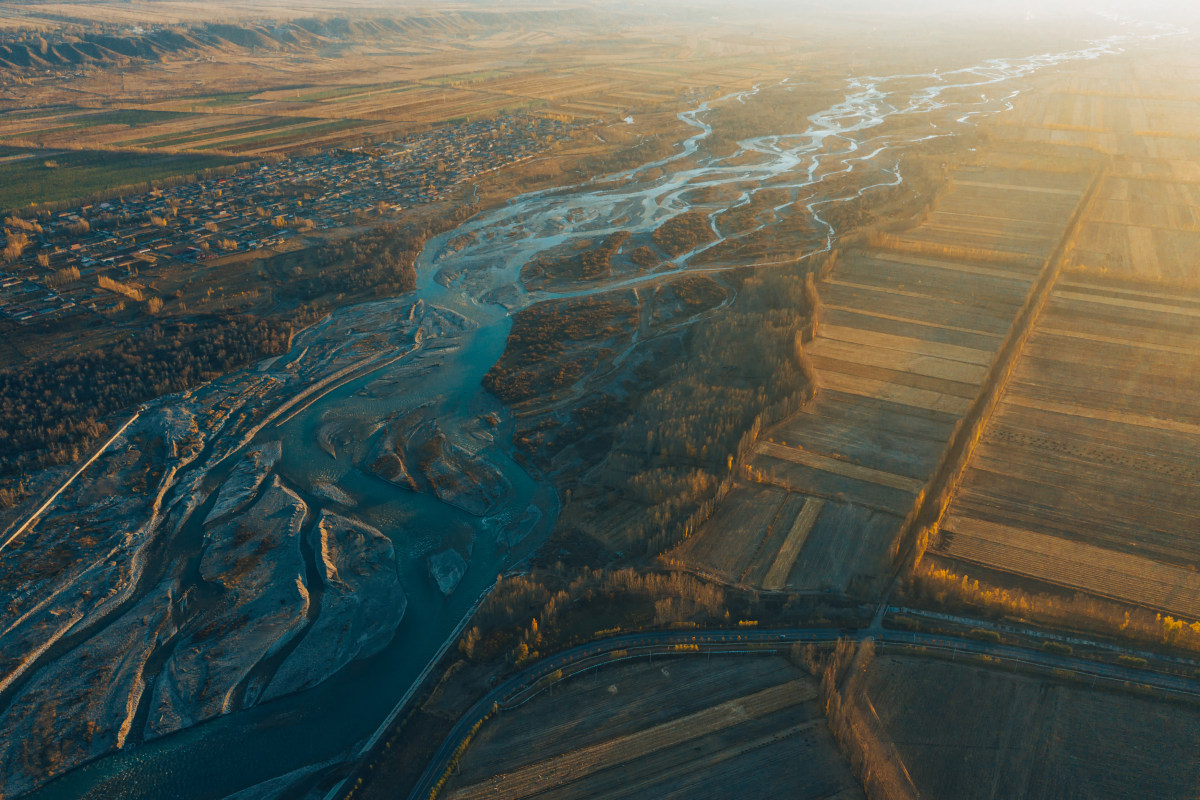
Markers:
<point>22,52</point>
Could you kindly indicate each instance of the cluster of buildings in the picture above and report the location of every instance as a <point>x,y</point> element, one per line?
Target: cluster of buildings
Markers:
<point>58,271</point>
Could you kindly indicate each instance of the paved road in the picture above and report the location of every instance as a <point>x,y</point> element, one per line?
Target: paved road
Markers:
<point>523,686</point>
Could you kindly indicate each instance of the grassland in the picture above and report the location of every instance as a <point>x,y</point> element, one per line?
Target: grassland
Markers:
<point>680,727</point>
<point>973,733</point>
<point>59,176</point>
<point>909,328</point>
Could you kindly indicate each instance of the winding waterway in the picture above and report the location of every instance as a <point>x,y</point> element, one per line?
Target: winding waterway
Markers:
<point>854,146</point>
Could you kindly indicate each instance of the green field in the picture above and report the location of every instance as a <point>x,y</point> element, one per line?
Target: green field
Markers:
<point>82,174</point>
<point>128,116</point>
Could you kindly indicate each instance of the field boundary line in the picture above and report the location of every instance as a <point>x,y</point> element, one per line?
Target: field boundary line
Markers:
<point>906,344</point>
<point>1092,337</point>
<point>1016,187</point>
<point>1118,417</point>
<point>889,392</point>
<point>878,315</point>
<point>1140,305</point>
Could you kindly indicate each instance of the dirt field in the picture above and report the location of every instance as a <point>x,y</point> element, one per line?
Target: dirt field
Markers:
<point>1086,475</point>
<point>1145,223</point>
<point>970,733</point>
<point>680,727</point>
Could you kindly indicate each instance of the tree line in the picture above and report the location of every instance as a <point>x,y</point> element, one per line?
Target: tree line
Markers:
<point>52,410</point>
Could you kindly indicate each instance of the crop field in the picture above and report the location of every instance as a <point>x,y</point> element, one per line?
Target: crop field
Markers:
<point>177,130</point>
<point>974,733</point>
<point>908,332</point>
<point>1145,222</point>
<point>1086,475</point>
<point>56,176</point>
<point>989,214</point>
<point>1140,107</point>
<point>674,728</point>
<point>1148,229</point>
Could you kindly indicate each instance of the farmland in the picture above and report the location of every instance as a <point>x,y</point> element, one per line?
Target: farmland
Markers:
<point>1102,401</point>
<point>976,733</point>
<point>677,727</point>
<point>908,329</point>
<point>1084,478</point>
<point>32,176</point>
<point>248,101</point>
<point>1143,113</point>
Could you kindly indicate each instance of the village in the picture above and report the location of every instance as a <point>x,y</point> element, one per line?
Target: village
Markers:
<point>87,259</point>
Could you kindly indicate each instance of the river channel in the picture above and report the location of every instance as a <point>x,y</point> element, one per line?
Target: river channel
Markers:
<point>463,272</point>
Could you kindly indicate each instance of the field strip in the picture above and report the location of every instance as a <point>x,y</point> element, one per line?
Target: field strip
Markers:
<point>1120,417</point>
<point>893,393</point>
<point>1138,304</point>
<point>899,361</point>
<point>939,385</point>
<point>1017,187</point>
<point>922,323</point>
<point>797,536</point>
<point>949,266</point>
<point>1087,287</point>
<point>905,344</point>
<point>1144,250</point>
<point>573,765</point>
<point>1073,564</point>
<point>1091,337</point>
<point>837,466</point>
<point>880,289</point>
<point>976,219</point>
<point>639,788</point>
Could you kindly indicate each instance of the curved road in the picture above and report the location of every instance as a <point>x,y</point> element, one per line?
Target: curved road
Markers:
<point>523,686</point>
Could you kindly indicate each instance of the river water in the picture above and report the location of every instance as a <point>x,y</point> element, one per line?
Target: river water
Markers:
<point>860,136</point>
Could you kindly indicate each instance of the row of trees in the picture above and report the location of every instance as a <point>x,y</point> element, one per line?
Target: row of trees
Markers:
<point>945,587</point>
<point>545,610</point>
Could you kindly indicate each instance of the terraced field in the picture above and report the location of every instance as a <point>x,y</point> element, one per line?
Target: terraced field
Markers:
<point>1086,476</point>
<point>675,728</point>
<point>908,332</point>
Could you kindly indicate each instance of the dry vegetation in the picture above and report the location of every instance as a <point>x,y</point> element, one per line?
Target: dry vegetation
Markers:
<point>268,92</point>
